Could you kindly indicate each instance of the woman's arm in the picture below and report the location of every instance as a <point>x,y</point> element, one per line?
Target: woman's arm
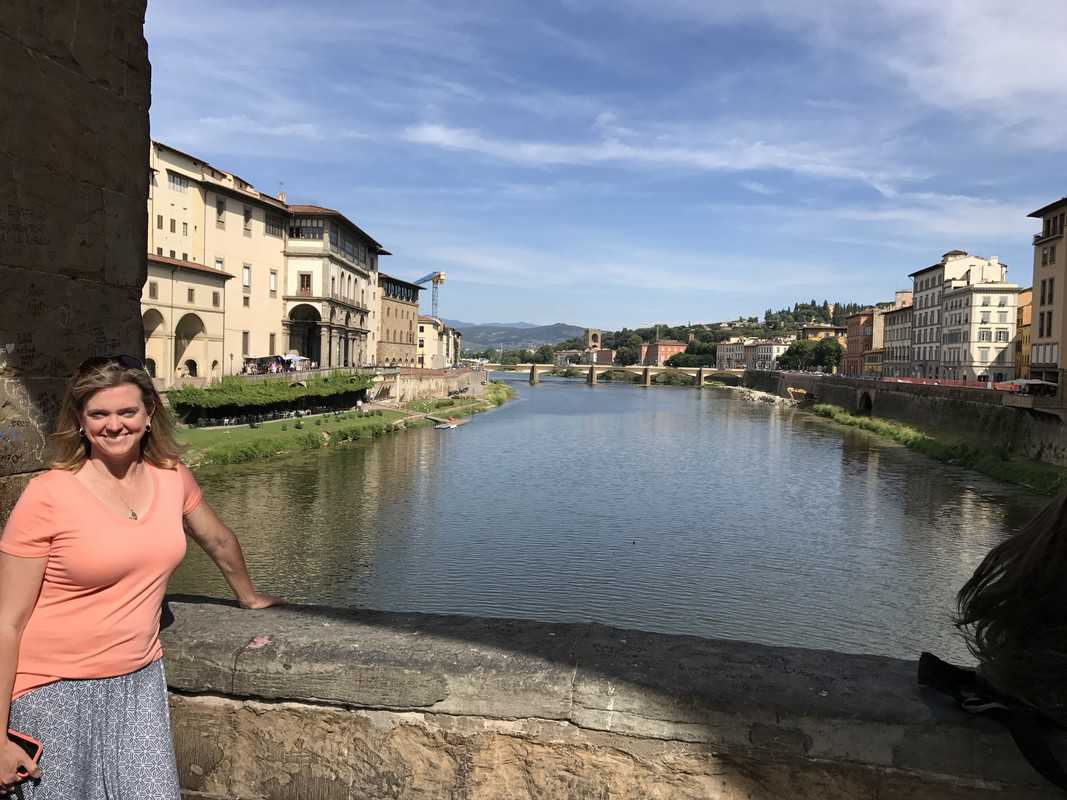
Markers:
<point>20,583</point>
<point>218,541</point>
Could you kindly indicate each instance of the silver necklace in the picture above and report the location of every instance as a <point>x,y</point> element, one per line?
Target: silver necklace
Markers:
<point>132,514</point>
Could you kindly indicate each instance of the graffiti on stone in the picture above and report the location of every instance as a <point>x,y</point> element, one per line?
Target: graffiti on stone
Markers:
<point>21,226</point>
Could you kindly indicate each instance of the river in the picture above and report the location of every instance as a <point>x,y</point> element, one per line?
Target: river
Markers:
<point>665,509</point>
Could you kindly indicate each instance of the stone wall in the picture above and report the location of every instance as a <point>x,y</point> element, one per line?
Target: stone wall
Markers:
<point>306,702</point>
<point>73,145</point>
<point>419,384</point>
<point>969,414</point>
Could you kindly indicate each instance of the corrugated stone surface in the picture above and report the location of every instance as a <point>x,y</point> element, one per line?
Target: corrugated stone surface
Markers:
<point>72,206</point>
<point>312,702</point>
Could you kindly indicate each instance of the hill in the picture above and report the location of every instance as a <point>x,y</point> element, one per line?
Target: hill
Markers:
<point>514,337</point>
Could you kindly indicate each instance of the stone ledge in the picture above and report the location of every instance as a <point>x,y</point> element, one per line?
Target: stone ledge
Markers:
<point>734,699</point>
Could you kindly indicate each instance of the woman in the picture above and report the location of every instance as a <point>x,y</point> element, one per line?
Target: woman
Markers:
<point>1011,613</point>
<point>84,563</point>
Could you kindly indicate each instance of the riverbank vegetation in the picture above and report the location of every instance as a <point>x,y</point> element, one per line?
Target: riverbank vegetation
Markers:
<point>497,393</point>
<point>1036,476</point>
<point>235,396</point>
<point>238,444</point>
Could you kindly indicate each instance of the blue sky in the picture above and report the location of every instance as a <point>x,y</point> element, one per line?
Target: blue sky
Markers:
<point>616,162</point>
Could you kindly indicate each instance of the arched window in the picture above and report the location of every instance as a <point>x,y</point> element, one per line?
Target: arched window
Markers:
<point>190,368</point>
<point>150,367</point>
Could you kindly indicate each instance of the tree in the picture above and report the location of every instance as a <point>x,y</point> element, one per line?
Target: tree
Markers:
<point>828,354</point>
<point>627,355</point>
<point>800,355</point>
<point>545,354</point>
<point>691,360</point>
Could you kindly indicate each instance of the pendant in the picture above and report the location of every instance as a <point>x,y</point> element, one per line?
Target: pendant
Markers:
<point>133,514</point>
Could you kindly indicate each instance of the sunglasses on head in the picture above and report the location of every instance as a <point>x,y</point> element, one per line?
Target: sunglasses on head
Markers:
<point>122,359</point>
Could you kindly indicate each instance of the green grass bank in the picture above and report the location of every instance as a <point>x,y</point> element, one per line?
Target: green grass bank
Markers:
<point>238,444</point>
<point>1045,479</point>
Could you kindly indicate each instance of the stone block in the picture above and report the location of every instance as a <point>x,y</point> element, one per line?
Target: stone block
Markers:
<point>126,235</point>
<point>93,42</point>
<point>85,132</point>
<point>53,323</point>
<point>10,489</point>
<point>27,409</point>
<point>50,224</point>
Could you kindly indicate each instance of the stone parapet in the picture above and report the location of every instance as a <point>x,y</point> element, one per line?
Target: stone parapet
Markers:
<point>325,703</point>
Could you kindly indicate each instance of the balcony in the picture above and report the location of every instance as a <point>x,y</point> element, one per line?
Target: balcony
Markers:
<point>1044,237</point>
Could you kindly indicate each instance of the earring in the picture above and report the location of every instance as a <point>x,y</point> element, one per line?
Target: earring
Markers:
<point>81,432</point>
<point>148,427</point>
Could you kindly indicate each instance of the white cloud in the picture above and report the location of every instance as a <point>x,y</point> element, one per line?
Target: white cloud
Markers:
<point>758,188</point>
<point>727,156</point>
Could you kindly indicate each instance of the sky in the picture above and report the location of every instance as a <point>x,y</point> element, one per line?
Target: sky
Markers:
<point>613,163</point>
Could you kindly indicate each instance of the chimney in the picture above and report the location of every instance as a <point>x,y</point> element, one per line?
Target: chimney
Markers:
<point>281,196</point>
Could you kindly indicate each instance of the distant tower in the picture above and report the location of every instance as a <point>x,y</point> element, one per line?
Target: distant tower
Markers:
<point>592,339</point>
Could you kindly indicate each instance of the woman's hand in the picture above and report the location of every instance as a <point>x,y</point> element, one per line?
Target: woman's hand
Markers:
<point>258,600</point>
<point>12,759</point>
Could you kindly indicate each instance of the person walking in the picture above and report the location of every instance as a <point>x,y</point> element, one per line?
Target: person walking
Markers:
<point>84,562</point>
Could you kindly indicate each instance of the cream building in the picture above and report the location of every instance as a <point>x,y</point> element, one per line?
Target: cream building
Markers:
<point>331,290</point>
<point>929,285</point>
<point>398,322</point>
<point>307,276</point>
<point>439,346</point>
<point>730,354</point>
<point>1048,317</point>
<point>763,353</point>
<point>204,215</point>
<point>183,308</point>
<point>896,355</point>
<point>980,321</point>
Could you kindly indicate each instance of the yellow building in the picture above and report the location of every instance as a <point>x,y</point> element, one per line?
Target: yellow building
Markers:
<point>201,214</point>
<point>399,314</point>
<point>183,309</point>
<point>1022,334</point>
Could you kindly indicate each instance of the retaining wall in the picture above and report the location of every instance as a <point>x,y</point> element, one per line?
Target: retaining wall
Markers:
<point>970,414</point>
<point>306,702</point>
<point>408,385</point>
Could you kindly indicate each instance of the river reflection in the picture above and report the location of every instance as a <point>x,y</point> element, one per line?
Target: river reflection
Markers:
<point>670,510</point>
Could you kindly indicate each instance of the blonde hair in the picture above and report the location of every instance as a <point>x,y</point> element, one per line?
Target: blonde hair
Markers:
<point>70,448</point>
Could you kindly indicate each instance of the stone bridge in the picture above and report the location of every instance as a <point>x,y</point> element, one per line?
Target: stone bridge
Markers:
<point>306,702</point>
<point>699,374</point>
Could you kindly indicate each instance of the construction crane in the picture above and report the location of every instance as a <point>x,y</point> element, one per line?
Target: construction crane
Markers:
<point>436,278</point>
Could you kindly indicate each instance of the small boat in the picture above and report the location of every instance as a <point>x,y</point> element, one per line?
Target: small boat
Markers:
<point>448,423</point>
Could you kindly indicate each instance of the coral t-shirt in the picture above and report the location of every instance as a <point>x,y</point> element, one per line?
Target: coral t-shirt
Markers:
<point>97,615</point>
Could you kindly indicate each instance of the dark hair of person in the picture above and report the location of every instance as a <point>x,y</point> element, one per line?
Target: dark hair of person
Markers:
<point>70,448</point>
<point>1013,612</point>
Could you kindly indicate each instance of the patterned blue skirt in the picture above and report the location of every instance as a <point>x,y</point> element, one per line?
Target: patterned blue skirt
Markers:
<point>102,739</point>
